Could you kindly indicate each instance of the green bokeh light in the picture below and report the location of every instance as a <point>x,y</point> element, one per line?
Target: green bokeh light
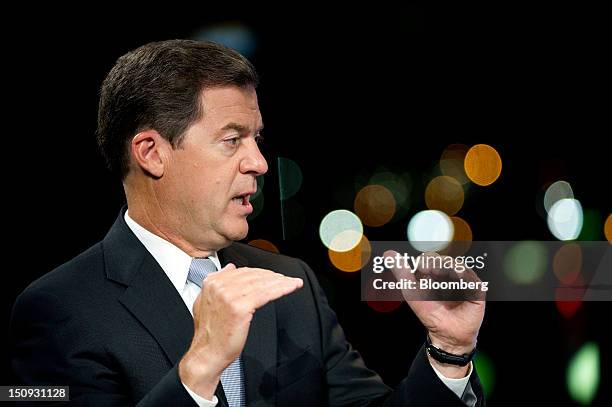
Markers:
<point>583,374</point>
<point>258,203</point>
<point>486,372</point>
<point>289,177</point>
<point>526,262</point>
<point>592,226</point>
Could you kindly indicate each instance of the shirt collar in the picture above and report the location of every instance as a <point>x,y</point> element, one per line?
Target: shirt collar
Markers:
<point>171,259</point>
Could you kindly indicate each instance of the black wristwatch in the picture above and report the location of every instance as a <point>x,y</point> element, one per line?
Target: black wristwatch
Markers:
<point>445,357</point>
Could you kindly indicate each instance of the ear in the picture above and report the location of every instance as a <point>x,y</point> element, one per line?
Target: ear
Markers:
<point>149,152</point>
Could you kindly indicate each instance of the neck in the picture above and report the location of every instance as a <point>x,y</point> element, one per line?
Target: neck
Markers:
<point>151,216</point>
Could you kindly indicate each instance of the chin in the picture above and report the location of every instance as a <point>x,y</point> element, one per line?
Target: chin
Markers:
<point>238,232</point>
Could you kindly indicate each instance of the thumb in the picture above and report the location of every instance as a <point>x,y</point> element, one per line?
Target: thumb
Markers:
<point>228,267</point>
<point>400,269</point>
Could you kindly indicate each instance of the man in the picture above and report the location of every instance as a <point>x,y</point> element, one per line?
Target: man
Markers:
<point>168,309</point>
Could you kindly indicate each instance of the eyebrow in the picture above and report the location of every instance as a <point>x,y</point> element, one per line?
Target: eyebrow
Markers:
<point>239,128</point>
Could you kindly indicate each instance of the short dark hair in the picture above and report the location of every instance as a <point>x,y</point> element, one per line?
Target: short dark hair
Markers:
<point>158,86</point>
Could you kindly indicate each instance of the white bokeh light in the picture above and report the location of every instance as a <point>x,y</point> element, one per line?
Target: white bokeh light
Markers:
<point>555,192</point>
<point>565,219</point>
<point>430,230</point>
<point>341,230</point>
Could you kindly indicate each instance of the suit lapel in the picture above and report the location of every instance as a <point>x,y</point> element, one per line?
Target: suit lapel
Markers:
<point>259,354</point>
<point>154,301</point>
<point>149,296</point>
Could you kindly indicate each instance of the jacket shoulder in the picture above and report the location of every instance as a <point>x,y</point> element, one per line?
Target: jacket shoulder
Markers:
<point>73,276</point>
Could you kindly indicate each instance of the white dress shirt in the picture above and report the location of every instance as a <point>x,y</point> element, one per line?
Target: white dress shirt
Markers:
<point>175,264</point>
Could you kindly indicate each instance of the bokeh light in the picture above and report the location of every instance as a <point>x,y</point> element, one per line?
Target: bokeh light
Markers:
<point>341,230</point>
<point>583,373</point>
<point>608,228</point>
<point>526,262</point>
<point>354,259</point>
<point>260,186</point>
<point>400,186</point>
<point>555,192</point>
<point>232,34</point>
<point>486,372</point>
<point>430,230</point>
<point>482,164</point>
<point>462,230</point>
<point>452,162</point>
<point>257,201</point>
<point>567,308</point>
<point>264,244</point>
<point>462,238</point>
<point>591,225</point>
<point>384,306</point>
<point>375,205</point>
<point>565,219</point>
<point>567,263</point>
<point>445,194</point>
<point>289,177</point>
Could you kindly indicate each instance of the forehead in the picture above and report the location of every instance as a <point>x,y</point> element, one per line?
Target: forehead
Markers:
<point>231,103</point>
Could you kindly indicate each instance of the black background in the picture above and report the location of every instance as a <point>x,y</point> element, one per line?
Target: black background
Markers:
<point>343,92</point>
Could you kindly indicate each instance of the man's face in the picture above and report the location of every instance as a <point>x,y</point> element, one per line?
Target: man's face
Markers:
<point>211,176</point>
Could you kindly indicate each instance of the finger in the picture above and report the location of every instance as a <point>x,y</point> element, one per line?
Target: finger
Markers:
<point>244,277</point>
<point>429,264</point>
<point>246,285</point>
<point>274,291</point>
<point>256,284</point>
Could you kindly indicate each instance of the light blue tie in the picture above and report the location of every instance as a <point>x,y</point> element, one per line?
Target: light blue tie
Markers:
<point>231,378</point>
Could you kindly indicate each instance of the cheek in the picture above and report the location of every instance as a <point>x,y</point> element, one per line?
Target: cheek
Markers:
<point>212,193</point>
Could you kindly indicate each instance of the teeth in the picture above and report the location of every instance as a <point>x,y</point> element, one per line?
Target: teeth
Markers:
<point>242,199</point>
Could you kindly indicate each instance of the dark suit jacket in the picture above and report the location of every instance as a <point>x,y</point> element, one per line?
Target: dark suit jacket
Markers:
<point>111,325</point>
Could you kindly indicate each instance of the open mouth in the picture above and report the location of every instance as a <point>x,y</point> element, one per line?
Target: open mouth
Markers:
<point>242,199</point>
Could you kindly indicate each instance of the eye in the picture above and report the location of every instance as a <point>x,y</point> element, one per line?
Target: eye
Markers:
<point>259,138</point>
<point>232,142</point>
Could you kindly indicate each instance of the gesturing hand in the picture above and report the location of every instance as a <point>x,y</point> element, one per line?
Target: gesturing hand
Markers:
<point>452,325</point>
<point>222,315</point>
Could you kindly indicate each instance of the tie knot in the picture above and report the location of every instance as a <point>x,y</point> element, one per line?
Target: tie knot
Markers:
<point>199,269</point>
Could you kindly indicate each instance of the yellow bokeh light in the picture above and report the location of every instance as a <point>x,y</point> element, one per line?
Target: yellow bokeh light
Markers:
<point>608,228</point>
<point>354,259</point>
<point>264,244</point>
<point>445,194</point>
<point>375,205</point>
<point>483,164</point>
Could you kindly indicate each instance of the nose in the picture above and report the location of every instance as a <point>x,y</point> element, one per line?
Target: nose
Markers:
<point>254,162</point>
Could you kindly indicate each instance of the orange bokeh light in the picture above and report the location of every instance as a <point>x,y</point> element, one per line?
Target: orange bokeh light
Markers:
<point>445,194</point>
<point>264,244</point>
<point>483,164</point>
<point>375,205</point>
<point>354,259</point>
<point>608,228</point>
